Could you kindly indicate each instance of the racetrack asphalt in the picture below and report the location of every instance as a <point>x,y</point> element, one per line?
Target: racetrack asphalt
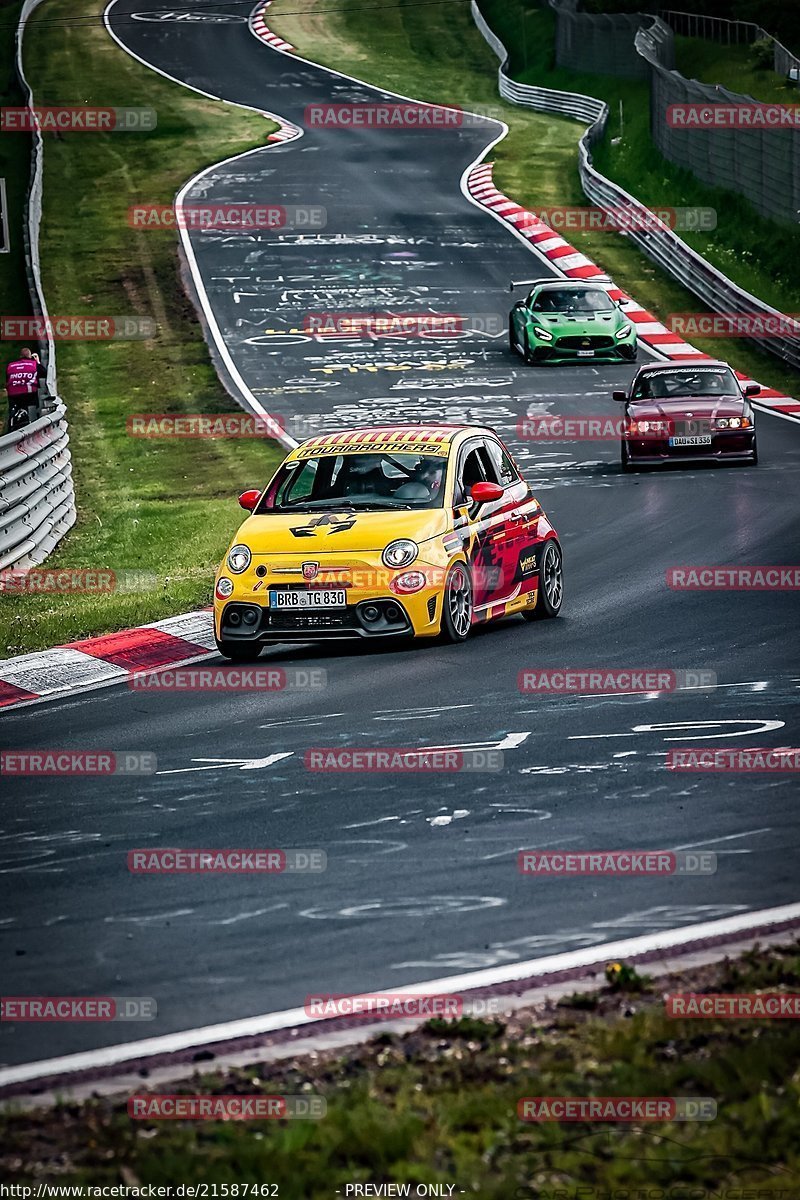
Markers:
<point>422,878</point>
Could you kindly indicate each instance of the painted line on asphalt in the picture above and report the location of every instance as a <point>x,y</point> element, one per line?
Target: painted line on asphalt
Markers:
<point>249,400</point>
<point>556,965</point>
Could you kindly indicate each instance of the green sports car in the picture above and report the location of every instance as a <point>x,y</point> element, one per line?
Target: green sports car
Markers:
<point>563,321</point>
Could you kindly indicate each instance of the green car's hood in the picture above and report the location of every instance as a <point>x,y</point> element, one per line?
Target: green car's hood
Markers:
<point>578,323</point>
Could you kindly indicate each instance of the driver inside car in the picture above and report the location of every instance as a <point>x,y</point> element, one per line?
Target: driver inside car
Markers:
<point>366,476</point>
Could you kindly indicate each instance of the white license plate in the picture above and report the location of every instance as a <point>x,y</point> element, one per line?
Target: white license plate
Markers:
<point>309,598</point>
<point>698,439</point>
<point>586,354</point>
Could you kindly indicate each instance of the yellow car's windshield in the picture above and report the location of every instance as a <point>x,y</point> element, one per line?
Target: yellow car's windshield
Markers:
<point>376,481</point>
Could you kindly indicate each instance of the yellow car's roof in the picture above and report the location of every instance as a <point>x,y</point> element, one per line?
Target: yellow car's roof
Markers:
<point>397,439</point>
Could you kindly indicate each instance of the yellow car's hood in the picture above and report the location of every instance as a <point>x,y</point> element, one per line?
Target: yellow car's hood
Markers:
<point>341,530</point>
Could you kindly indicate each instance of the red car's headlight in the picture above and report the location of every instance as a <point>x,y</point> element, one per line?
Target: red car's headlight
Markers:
<point>648,427</point>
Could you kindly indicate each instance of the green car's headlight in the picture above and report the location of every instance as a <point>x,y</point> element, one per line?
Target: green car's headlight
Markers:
<point>543,334</point>
<point>238,559</point>
<point>400,553</point>
<point>624,331</point>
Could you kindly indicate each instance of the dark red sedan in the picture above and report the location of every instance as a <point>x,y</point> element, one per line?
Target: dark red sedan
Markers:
<point>691,411</point>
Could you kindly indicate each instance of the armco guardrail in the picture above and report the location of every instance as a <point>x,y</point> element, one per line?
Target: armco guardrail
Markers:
<point>660,244</point>
<point>762,165</point>
<point>37,498</point>
<point>37,501</point>
<point>594,41</point>
<point>730,32</point>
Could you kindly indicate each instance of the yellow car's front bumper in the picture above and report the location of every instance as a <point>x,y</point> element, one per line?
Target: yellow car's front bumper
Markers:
<point>375,606</point>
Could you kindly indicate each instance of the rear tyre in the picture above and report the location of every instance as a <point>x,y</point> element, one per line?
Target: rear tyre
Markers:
<point>457,605</point>
<point>239,651</point>
<point>551,584</point>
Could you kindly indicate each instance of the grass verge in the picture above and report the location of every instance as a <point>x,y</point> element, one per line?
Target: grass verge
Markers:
<point>439,1105</point>
<point>165,508</point>
<point>755,252</point>
<point>738,68</point>
<point>436,54</point>
<point>15,164</point>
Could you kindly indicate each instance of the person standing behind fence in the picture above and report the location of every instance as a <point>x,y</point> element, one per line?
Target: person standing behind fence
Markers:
<point>22,386</point>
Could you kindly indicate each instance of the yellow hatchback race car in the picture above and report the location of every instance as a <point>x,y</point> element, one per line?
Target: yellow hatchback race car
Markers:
<point>385,532</point>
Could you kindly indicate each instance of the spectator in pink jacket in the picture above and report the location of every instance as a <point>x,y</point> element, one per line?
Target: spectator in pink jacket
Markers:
<point>22,386</point>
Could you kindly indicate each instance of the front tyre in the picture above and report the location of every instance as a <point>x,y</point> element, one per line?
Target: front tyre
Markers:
<point>457,605</point>
<point>513,344</point>
<point>551,584</point>
<point>527,353</point>
<point>239,651</point>
<point>624,457</point>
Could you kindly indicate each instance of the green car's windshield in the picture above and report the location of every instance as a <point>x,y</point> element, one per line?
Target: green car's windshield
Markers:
<point>572,300</point>
<point>686,381</point>
<point>357,482</point>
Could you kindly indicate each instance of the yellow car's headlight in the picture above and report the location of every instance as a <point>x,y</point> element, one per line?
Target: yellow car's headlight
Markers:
<point>400,553</point>
<point>239,559</point>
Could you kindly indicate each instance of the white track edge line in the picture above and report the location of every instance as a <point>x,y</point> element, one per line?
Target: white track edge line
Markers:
<point>171,1043</point>
<point>284,440</point>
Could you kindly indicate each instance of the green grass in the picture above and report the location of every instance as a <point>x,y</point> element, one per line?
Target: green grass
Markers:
<point>436,54</point>
<point>165,507</point>
<point>638,166</point>
<point>439,1105</point>
<point>735,67</point>
<point>15,161</point>
<point>778,18</point>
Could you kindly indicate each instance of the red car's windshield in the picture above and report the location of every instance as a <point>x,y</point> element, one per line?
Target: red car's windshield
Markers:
<point>662,385</point>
